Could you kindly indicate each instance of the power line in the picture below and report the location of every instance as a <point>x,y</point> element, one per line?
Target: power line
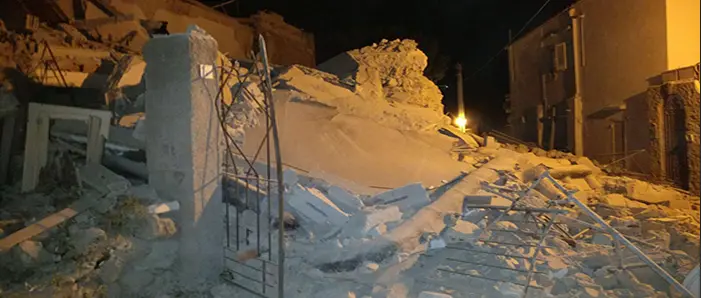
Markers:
<point>511,39</point>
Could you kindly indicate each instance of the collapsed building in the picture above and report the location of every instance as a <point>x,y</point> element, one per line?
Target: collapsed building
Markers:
<point>367,190</point>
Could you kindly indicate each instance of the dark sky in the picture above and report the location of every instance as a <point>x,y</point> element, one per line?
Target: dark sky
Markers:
<point>465,31</point>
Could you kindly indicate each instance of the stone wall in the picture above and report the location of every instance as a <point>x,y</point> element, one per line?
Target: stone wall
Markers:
<point>690,96</point>
<point>286,44</point>
<point>683,94</point>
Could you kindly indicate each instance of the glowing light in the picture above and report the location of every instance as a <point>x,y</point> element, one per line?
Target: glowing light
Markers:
<point>461,122</point>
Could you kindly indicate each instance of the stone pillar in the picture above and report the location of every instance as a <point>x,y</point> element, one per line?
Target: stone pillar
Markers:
<point>183,146</point>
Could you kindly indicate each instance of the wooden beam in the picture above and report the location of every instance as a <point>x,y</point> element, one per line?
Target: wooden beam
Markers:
<point>47,223</point>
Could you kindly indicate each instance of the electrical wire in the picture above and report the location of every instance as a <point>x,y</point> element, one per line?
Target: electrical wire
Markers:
<point>509,43</point>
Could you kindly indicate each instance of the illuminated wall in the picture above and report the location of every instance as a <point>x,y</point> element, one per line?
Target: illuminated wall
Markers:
<point>683,25</point>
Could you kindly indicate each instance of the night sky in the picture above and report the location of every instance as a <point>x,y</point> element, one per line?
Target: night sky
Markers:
<point>470,32</point>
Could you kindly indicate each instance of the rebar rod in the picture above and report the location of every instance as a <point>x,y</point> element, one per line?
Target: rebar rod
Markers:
<point>619,237</point>
<point>278,157</point>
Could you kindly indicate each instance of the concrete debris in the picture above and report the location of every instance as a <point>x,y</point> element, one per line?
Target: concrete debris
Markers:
<point>362,223</point>
<point>618,200</point>
<point>427,294</point>
<point>32,254</point>
<point>111,270</point>
<point>602,239</point>
<point>344,200</point>
<point>406,197</point>
<point>164,207</point>
<point>157,227</point>
<point>314,206</point>
<point>83,241</point>
<point>390,70</point>
<point>461,232</point>
<point>368,133</point>
<point>103,180</point>
<point>245,110</point>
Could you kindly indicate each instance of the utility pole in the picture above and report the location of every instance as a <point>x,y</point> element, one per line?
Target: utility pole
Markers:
<point>576,120</point>
<point>458,75</point>
<point>461,120</point>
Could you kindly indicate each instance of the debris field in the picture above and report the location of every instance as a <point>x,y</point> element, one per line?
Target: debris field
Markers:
<point>383,198</point>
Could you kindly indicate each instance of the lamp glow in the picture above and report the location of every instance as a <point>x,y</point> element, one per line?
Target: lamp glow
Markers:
<point>461,122</point>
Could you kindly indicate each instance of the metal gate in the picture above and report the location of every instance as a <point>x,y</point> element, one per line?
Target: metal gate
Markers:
<point>254,247</point>
<point>675,142</point>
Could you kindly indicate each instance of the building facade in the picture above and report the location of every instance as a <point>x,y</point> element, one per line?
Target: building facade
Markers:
<point>573,78</point>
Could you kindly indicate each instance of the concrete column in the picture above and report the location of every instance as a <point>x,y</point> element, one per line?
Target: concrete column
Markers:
<point>183,145</point>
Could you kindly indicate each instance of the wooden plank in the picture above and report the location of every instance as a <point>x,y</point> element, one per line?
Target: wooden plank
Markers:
<point>45,224</point>
<point>96,143</point>
<point>37,139</point>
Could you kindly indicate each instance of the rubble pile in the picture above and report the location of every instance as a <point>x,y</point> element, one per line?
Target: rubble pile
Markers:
<point>402,242</point>
<point>381,198</point>
<point>390,70</point>
<point>116,246</point>
<point>68,50</point>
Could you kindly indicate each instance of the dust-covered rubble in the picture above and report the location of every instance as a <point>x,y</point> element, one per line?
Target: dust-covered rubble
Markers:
<point>344,238</point>
<point>583,268</point>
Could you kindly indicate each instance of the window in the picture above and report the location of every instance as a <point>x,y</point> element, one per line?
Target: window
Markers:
<point>560,57</point>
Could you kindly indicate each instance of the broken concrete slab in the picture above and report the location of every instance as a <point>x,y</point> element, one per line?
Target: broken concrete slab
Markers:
<point>602,239</point>
<point>111,270</point>
<point>593,182</point>
<point>134,73</point>
<point>313,205</point>
<point>103,180</point>
<point>650,193</point>
<point>680,204</point>
<point>126,33</point>
<point>296,79</point>
<point>617,200</point>
<point>290,177</point>
<point>489,200</point>
<point>382,216</point>
<point>32,254</point>
<point>585,161</point>
<point>85,240</point>
<point>377,231</point>
<point>427,294</point>
<point>406,237</point>
<point>345,200</point>
<point>407,197</point>
<point>573,171</point>
<point>462,231</point>
<point>157,228</point>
